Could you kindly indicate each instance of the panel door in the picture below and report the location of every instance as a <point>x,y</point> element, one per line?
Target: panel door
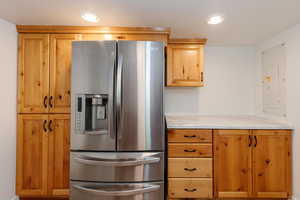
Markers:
<point>232,164</point>
<point>32,155</point>
<point>33,73</point>
<point>272,164</point>
<point>139,96</point>
<point>59,154</point>
<point>60,72</point>
<point>185,65</point>
<point>93,70</point>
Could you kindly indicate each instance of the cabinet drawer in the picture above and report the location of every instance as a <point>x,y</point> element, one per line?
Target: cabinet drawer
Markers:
<point>202,136</point>
<point>190,188</point>
<point>190,167</point>
<point>189,150</point>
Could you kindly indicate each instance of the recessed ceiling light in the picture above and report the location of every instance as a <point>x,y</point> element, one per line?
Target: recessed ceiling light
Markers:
<point>90,17</point>
<point>216,19</point>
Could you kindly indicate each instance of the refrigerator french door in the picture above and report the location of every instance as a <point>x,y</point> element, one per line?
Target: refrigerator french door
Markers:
<point>117,133</point>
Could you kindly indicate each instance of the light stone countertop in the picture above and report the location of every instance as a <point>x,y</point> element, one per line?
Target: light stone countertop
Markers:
<point>224,122</point>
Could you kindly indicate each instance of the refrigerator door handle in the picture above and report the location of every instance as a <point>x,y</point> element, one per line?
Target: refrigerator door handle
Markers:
<point>132,192</point>
<point>109,163</point>
<point>119,94</point>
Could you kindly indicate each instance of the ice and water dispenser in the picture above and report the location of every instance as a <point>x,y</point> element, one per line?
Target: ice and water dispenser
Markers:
<point>91,114</point>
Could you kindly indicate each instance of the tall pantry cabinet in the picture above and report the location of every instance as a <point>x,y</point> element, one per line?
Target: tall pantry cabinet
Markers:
<point>43,119</point>
<point>44,114</point>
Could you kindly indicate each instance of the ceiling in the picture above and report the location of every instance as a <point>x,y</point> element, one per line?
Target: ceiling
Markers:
<point>246,21</point>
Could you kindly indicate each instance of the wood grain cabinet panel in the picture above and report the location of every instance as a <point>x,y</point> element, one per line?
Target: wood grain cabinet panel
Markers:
<point>33,73</point>
<point>272,164</point>
<point>190,188</point>
<point>43,155</point>
<point>232,164</point>
<point>191,136</point>
<point>32,155</point>
<point>59,154</point>
<point>185,63</point>
<point>190,167</point>
<point>189,150</point>
<point>60,72</point>
<point>124,36</point>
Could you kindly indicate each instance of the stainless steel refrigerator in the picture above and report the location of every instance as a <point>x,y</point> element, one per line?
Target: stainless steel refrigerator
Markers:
<point>117,121</point>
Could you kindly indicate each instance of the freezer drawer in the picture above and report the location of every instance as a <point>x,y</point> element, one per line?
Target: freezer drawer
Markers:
<point>117,191</point>
<point>117,167</point>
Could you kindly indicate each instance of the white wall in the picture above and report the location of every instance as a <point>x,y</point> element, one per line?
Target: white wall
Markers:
<point>8,74</point>
<point>291,38</point>
<point>230,77</point>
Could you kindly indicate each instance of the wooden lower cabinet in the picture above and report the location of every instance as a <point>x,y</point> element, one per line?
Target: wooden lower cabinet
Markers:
<point>272,164</point>
<point>32,156</point>
<point>43,155</point>
<point>232,164</point>
<point>252,164</point>
<point>190,188</point>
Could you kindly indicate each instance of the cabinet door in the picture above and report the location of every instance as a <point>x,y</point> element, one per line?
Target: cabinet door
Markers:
<point>33,73</point>
<point>60,72</point>
<point>232,164</point>
<point>184,65</point>
<point>59,146</point>
<point>272,164</point>
<point>32,155</point>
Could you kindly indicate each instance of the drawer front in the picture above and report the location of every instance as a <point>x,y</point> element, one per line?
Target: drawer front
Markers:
<point>116,191</point>
<point>189,150</point>
<point>116,166</point>
<point>191,167</point>
<point>199,136</point>
<point>190,188</point>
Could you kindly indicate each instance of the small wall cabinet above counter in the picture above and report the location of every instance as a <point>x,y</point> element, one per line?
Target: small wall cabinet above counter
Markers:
<point>185,63</point>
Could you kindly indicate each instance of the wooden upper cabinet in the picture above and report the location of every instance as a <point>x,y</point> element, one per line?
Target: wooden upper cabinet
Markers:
<point>33,73</point>
<point>185,62</point>
<point>59,150</point>
<point>272,164</point>
<point>32,155</point>
<point>124,36</point>
<point>232,164</point>
<point>60,72</point>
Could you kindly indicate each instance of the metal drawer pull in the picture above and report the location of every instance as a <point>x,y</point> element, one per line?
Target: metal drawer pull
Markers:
<point>109,163</point>
<point>189,136</point>
<point>190,151</point>
<point>255,138</point>
<point>147,189</point>
<point>190,169</point>
<point>190,190</point>
<point>45,103</point>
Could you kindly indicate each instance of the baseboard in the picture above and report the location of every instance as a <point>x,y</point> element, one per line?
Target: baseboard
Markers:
<point>295,198</point>
<point>15,198</point>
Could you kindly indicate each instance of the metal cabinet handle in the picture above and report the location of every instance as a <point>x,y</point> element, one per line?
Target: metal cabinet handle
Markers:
<point>255,138</point>
<point>192,150</point>
<point>50,102</point>
<point>202,76</point>
<point>150,188</point>
<point>190,169</point>
<point>45,101</point>
<point>190,190</point>
<point>189,136</point>
<point>250,141</point>
<point>109,163</point>
<point>50,126</point>
<point>44,125</point>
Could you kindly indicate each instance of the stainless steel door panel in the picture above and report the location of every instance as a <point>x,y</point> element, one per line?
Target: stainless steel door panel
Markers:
<point>139,96</point>
<point>116,191</point>
<point>117,167</point>
<point>93,68</point>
